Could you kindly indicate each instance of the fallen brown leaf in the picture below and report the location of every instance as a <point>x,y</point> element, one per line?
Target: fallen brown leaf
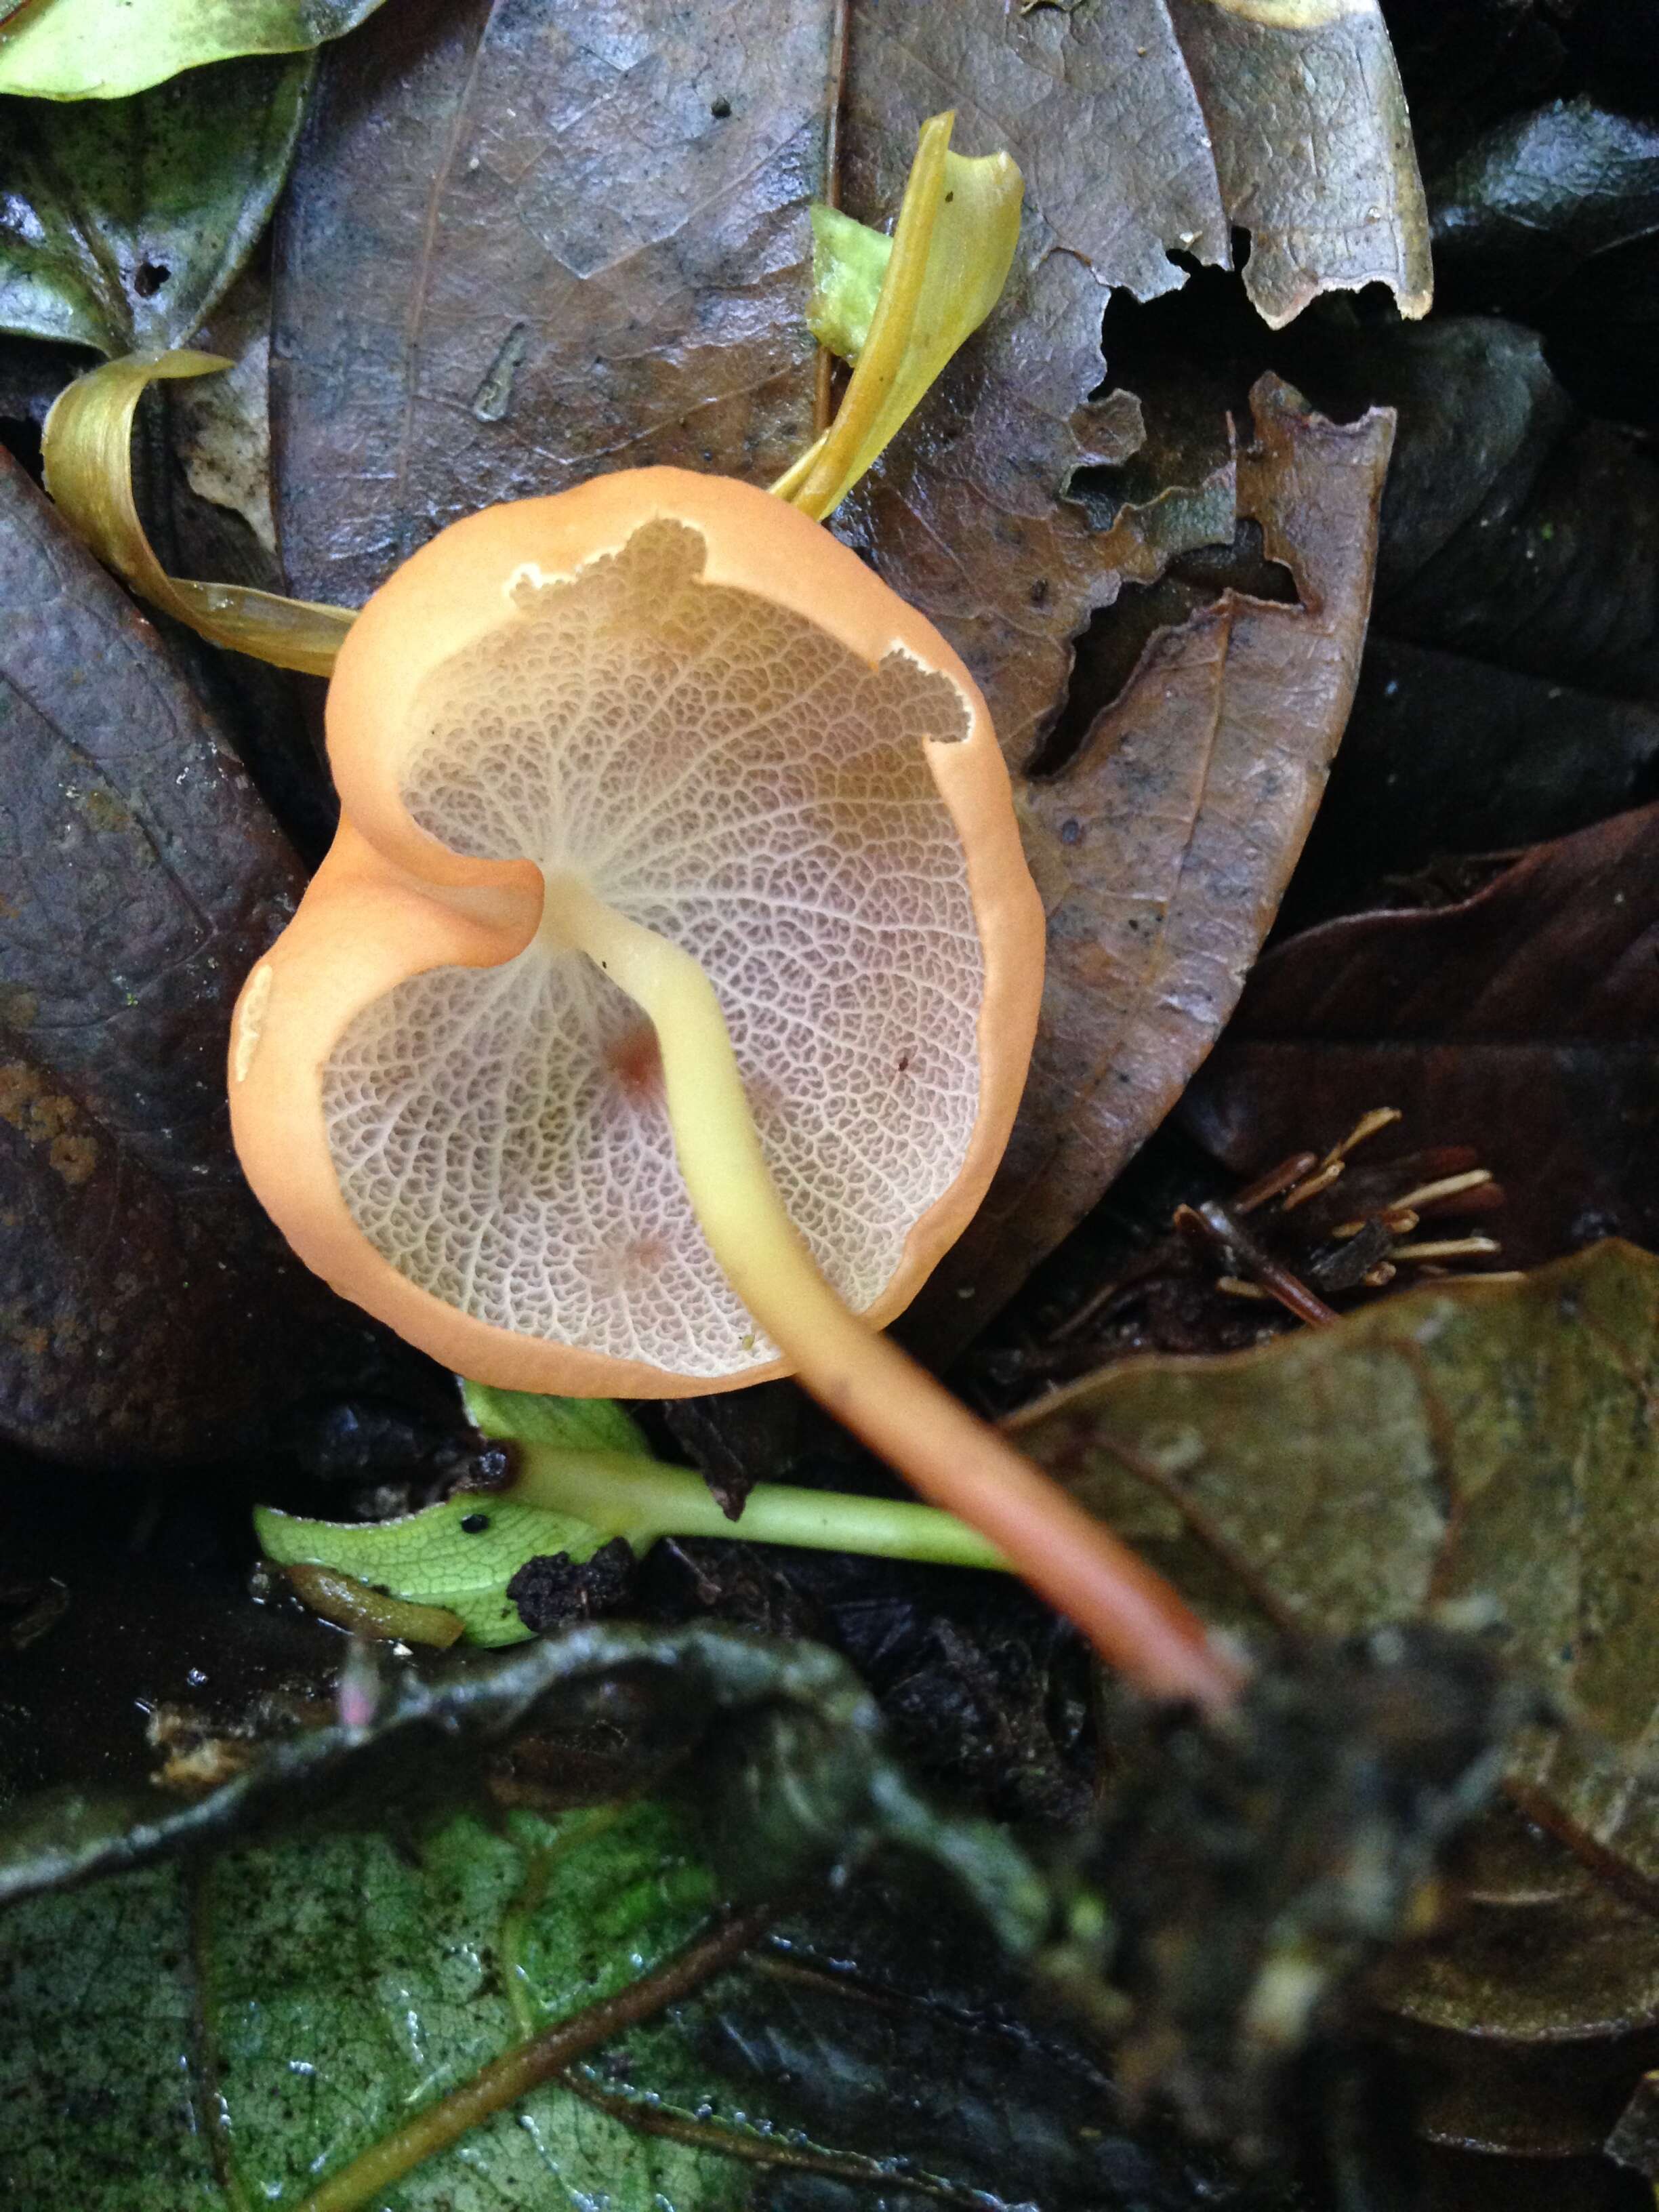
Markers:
<point>525,245</point>
<point>146,1304</point>
<point>966,516</point>
<point>1314,149</point>
<point>1165,845</point>
<point>1524,1021</point>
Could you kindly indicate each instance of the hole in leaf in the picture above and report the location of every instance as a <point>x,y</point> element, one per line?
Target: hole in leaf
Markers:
<point>1110,648</point>
<point>148,277</point>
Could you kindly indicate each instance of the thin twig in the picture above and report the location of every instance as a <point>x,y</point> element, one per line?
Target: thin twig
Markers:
<point>1428,1194</point>
<point>1216,1226</point>
<point>823,389</point>
<point>1447,1248</point>
<point>1275,1180</point>
<point>526,2066</point>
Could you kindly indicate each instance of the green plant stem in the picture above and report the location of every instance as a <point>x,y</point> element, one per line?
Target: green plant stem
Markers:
<point>643,1499</point>
<point>527,2065</point>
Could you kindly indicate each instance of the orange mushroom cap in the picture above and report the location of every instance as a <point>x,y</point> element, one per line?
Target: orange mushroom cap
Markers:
<point>686,693</point>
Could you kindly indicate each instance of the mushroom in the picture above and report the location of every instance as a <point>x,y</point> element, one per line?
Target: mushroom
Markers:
<point>665,998</point>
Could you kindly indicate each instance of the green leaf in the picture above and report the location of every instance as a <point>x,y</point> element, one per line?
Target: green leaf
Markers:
<point>104,49</point>
<point>340,1983</point>
<point>460,1554</point>
<point>122,224</point>
<point>1492,1443</point>
<point>849,260</point>
<point>940,275</point>
<point>568,1424</point>
<point>583,1475</point>
<point>251,2030</point>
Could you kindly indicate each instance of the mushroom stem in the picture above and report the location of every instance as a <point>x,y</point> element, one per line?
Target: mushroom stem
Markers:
<point>1135,1619</point>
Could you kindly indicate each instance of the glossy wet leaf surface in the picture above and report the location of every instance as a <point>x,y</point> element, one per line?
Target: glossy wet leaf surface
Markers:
<point>1540,193</point>
<point>254,2026</point>
<point>149,1306</point>
<point>1515,529</point>
<point>124,221</point>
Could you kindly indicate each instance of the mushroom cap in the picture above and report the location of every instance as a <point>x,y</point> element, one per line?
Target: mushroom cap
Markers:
<point>687,692</point>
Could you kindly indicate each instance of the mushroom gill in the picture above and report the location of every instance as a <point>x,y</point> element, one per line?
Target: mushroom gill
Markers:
<point>723,771</point>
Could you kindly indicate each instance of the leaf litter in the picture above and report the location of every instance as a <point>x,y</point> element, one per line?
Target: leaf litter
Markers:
<point>940,471</point>
<point>1523,1021</point>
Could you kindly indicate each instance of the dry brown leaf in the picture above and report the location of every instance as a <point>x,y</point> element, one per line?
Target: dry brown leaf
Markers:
<point>966,517</point>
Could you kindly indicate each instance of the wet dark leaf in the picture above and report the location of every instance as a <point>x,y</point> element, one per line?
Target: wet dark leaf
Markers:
<point>1163,848</point>
<point>1313,149</point>
<point>1522,1022</point>
<point>123,221</point>
<point>816,2027</point>
<point>1465,67</point>
<point>967,516</point>
<point>1540,193</point>
<point>793,1777</point>
<point>148,1307</point>
<point>526,245</point>
<point>302,1998</point>
<point>1530,759</point>
<point>1491,1442</point>
<point>1525,2023</point>
<point>1514,530</point>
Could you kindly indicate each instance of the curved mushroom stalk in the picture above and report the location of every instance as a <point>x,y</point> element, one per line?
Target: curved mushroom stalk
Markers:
<point>660,743</point>
<point>1136,1621</point>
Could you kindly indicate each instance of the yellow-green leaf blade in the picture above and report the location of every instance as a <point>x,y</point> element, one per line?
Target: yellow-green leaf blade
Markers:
<point>105,49</point>
<point>941,275</point>
<point>87,450</point>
